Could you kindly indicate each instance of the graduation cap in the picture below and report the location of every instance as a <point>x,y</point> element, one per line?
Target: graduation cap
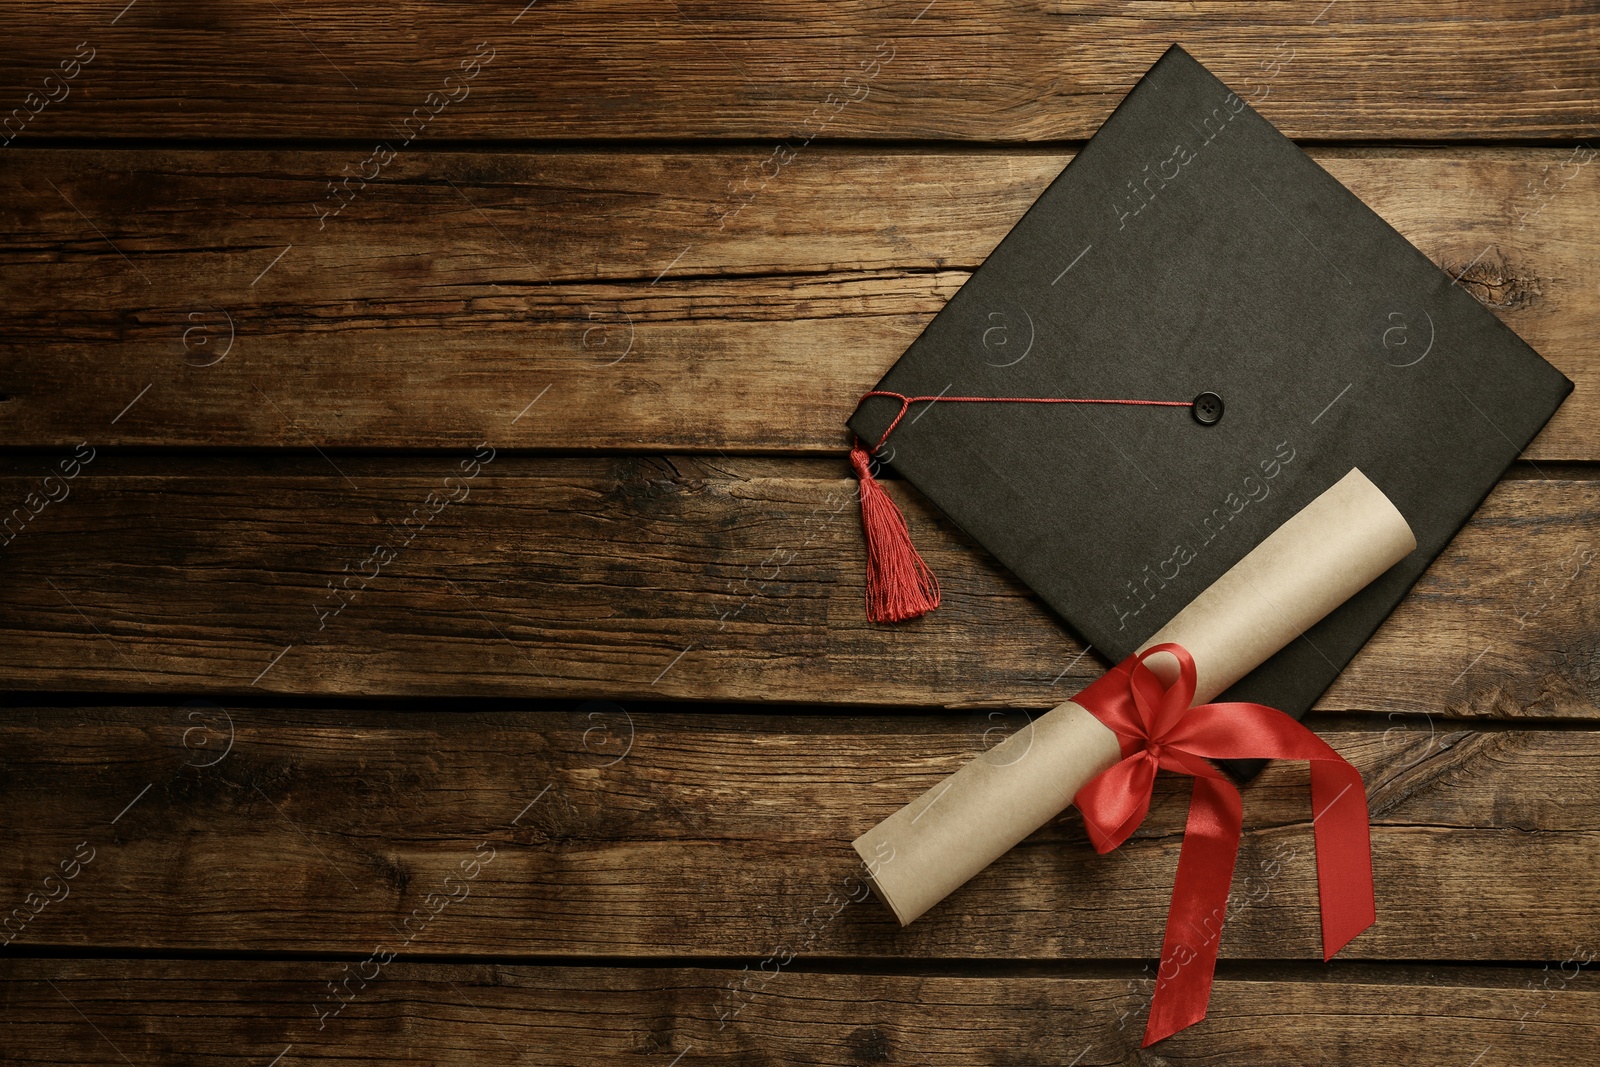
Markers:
<point>1192,333</point>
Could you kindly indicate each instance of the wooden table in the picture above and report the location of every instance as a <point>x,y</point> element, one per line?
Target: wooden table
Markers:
<point>430,586</point>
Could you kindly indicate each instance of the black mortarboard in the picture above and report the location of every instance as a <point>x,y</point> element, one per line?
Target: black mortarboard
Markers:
<point>1191,252</point>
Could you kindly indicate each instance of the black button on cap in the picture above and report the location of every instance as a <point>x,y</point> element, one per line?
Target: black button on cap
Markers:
<point>1207,409</point>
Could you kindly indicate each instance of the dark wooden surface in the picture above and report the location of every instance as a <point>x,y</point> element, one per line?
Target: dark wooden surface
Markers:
<point>668,835</point>
<point>667,577</point>
<point>463,285</point>
<point>550,779</point>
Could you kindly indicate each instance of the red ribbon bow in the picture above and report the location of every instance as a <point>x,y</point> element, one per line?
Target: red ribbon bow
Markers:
<point>1157,728</point>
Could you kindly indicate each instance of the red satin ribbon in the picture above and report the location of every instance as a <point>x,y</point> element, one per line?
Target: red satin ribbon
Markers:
<point>1157,728</point>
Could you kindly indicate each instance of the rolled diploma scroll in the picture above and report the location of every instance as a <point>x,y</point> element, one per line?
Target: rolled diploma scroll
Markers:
<point>1318,559</point>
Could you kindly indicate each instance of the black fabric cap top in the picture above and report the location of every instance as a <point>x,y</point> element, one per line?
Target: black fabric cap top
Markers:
<point>1190,250</point>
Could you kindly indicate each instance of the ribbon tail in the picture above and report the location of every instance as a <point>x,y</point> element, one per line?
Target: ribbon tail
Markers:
<point>1199,906</point>
<point>1344,853</point>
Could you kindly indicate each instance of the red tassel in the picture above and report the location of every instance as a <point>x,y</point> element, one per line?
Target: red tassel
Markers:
<point>899,585</point>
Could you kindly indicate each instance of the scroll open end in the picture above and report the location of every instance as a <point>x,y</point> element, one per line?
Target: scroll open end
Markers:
<point>1323,555</point>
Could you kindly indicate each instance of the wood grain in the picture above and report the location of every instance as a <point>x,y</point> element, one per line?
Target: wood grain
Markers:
<point>147,1011</point>
<point>665,578</point>
<point>591,262</point>
<point>986,71</point>
<point>608,832</point>
<point>190,297</point>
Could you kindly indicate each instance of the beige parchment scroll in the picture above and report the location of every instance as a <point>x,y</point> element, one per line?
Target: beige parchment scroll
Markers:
<point>1318,559</point>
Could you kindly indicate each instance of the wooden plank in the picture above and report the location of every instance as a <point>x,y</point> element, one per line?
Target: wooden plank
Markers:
<point>671,578</point>
<point>155,1011</point>
<point>190,298</point>
<point>597,831</point>
<point>804,69</point>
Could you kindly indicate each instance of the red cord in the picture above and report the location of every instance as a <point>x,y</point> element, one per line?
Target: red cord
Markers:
<point>899,584</point>
<point>907,401</point>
